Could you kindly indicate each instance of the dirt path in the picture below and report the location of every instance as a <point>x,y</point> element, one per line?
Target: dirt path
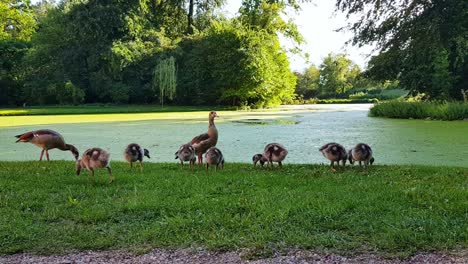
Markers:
<point>206,257</point>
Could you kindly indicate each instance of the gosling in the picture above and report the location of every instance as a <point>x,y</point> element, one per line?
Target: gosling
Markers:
<point>214,157</point>
<point>92,159</point>
<point>133,152</point>
<point>186,152</point>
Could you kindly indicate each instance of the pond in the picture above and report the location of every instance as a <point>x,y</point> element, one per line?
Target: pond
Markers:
<point>302,129</point>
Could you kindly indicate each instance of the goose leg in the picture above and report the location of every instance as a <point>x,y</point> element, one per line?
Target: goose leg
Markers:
<point>141,166</point>
<point>111,178</point>
<point>280,164</point>
<point>91,170</point>
<point>200,159</point>
<point>131,165</point>
<point>47,154</point>
<point>42,154</point>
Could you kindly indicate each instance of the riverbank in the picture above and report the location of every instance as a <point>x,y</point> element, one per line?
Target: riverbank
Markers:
<point>392,210</point>
<point>421,110</point>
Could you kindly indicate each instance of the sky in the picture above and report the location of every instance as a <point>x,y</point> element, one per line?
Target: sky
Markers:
<point>317,22</point>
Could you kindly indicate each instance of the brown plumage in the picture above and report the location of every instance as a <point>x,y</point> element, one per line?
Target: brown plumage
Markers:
<point>275,152</point>
<point>134,152</point>
<point>203,142</point>
<point>215,157</point>
<point>94,158</point>
<point>361,153</point>
<point>186,152</point>
<point>259,158</point>
<point>47,139</point>
<point>335,153</point>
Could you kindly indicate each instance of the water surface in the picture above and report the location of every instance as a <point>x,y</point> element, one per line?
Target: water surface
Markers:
<point>302,129</point>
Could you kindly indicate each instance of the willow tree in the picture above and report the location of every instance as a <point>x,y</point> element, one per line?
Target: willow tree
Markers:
<point>164,79</point>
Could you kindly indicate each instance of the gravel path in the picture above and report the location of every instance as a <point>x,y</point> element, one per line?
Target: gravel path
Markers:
<point>207,257</point>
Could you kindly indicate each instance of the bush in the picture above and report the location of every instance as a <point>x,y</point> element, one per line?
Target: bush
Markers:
<point>120,93</point>
<point>421,110</point>
<point>70,94</point>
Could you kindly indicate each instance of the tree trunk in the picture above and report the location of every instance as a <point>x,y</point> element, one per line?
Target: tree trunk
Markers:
<point>190,18</point>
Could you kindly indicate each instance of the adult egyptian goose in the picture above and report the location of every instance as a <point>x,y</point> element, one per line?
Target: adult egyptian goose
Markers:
<point>275,152</point>
<point>47,139</point>
<point>361,153</point>
<point>186,152</point>
<point>134,152</point>
<point>214,157</point>
<point>94,158</point>
<point>203,142</point>
<point>335,153</point>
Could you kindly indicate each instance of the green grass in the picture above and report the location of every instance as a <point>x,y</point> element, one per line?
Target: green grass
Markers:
<point>101,109</point>
<point>421,110</point>
<point>393,210</point>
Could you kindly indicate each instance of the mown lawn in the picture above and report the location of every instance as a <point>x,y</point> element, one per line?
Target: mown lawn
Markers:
<point>102,109</point>
<point>393,210</point>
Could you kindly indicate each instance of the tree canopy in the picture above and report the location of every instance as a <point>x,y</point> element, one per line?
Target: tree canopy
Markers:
<point>421,43</point>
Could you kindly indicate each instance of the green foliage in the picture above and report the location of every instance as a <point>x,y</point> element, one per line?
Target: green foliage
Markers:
<point>70,94</point>
<point>423,44</point>
<point>337,74</point>
<point>421,110</point>
<point>234,65</point>
<point>16,20</point>
<point>391,210</point>
<point>308,82</point>
<point>110,49</point>
<point>165,79</point>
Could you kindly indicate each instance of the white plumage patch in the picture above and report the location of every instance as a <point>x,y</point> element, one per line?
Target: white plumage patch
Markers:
<point>275,148</point>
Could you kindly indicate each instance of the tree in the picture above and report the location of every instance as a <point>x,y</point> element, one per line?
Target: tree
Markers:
<point>337,74</point>
<point>268,15</point>
<point>308,82</point>
<point>16,20</point>
<point>164,79</point>
<point>203,9</point>
<point>232,64</point>
<point>416,40</point>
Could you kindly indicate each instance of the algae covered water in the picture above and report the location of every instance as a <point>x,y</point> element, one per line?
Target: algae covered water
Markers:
<point>302,129</point>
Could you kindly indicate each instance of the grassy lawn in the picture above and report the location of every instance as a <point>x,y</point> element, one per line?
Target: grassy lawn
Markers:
<point>394,210</point>
<point>102,109</point>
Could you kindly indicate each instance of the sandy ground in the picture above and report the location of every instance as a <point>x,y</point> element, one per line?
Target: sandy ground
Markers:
<point>207,257</point>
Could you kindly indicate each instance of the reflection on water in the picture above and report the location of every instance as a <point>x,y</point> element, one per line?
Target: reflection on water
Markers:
<point>301,130</point>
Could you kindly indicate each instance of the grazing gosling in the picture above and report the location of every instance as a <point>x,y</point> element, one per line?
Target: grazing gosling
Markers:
<point>94,158</point>
<point>259,158</point>
<point>335,153</point>
<point>275,152</point>
<point>361,153</point>
<point>214,157</point>
<point>186,152</point>
<point>133,152</point>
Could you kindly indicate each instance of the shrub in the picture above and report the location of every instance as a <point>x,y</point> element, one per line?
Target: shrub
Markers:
<point>421,110</point>
<point>70,94</point>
